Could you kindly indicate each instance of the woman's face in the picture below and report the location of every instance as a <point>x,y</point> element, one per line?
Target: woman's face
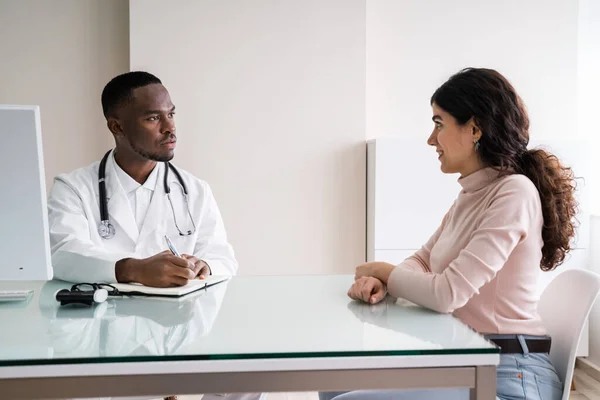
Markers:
<point>454,143</point>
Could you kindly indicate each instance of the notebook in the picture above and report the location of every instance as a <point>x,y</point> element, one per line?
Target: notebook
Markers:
<point>192,286</point>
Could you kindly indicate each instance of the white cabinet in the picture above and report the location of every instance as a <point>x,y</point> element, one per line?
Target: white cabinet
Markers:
<point>408,195</point>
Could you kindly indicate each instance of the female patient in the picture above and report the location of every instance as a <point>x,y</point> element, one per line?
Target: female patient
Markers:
<point>513,217</point>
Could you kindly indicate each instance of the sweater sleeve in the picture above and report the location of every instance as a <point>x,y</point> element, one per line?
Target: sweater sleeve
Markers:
<point>503,225</point>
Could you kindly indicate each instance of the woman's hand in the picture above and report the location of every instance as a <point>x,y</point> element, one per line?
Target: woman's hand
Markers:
<point>368,289</point>
<point>376,269</point>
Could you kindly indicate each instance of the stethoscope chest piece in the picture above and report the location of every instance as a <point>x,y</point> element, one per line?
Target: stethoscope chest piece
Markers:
<point>106,230</point>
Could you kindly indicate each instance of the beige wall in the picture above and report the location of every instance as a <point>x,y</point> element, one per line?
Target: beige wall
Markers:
<point>59,54</point>
<point>271,112</point>
<point>271,108</point>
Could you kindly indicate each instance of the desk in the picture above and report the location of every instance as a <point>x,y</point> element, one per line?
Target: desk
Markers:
<point>250,334</point>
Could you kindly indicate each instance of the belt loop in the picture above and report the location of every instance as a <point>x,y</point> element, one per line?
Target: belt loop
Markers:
<point>523,345</point>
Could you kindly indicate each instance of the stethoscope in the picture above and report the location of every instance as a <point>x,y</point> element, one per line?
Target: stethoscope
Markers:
<point>107,230</point>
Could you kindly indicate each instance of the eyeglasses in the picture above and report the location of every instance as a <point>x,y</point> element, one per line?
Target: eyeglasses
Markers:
<point>87,287</point>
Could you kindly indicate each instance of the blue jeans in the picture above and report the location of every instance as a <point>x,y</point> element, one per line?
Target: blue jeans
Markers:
<point>519,376</point>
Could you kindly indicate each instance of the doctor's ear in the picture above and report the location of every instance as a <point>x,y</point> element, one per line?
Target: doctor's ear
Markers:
<point>114,126</point>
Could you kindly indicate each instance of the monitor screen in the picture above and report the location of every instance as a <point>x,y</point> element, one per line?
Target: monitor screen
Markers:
<point>24,237</point>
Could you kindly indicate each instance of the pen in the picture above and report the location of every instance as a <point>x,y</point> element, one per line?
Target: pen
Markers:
<point>171,247</point>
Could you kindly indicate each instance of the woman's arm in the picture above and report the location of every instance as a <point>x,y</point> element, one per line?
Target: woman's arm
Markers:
<point>419,261</point>
<point>504,224</point>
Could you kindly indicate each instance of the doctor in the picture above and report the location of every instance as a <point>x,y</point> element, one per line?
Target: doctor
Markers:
<point>108,221</point>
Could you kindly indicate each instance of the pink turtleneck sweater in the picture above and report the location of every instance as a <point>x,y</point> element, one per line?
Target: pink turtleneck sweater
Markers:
<point>482,263</point>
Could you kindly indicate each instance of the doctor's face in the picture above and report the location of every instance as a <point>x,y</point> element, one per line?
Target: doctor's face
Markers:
<point>148,123</point>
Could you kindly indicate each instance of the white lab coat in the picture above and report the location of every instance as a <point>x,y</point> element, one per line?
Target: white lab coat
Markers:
<point>79,254</point>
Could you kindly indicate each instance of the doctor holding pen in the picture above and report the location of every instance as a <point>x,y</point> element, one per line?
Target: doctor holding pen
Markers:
<point>108,221</point>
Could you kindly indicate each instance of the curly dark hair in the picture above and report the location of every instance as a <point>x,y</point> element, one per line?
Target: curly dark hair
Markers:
<point>496,108</point>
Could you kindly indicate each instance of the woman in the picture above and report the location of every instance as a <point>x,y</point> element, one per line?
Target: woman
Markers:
<point>513,217</point>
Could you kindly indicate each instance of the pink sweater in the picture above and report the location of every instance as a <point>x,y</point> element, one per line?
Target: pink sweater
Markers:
<point>482,263</point>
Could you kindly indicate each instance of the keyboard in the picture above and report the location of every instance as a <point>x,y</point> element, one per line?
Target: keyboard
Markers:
<point>14,295</point>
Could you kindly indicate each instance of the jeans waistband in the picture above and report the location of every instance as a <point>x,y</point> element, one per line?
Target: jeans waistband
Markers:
<point>523,344</point>
<point>515,336</point>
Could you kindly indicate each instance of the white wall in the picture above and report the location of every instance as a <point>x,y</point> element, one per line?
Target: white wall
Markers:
<point>271,112</point>
<point>589,85</point>
<point>589,104</point>
<point>59,54</point>
<point>414,46</point>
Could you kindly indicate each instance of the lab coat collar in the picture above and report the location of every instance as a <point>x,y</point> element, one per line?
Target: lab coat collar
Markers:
<point>129,184</point>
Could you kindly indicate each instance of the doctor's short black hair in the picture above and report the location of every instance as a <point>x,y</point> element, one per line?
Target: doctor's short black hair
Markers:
<point>120,89</point>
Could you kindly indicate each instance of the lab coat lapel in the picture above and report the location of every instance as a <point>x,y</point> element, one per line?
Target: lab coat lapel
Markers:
<point>119,209</point>
<point>157,208</point>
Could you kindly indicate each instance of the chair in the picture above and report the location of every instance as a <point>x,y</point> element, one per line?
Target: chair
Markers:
<point>564,307</point>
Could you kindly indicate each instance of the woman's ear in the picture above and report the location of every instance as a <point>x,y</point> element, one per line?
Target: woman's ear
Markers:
<point>475,130</point>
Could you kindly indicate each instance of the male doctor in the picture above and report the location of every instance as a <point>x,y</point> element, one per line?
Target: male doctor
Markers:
<point>131,245</point>
<point>141,117</point>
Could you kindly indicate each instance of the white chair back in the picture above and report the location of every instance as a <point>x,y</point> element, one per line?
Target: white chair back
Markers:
<point>564,307</point>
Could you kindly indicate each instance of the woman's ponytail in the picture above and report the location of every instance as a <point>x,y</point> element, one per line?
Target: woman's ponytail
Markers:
<point>556,186</point>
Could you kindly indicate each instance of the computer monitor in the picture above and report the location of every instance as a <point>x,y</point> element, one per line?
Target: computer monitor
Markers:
<point>24,237</point>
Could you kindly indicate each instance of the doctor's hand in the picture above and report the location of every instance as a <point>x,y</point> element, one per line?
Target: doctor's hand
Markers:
<point>368,289</point>
<point>201,266</point>
<point>161,270</point>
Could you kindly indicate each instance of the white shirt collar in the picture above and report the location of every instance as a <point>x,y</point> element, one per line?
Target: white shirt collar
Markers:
<point>129,184</point>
